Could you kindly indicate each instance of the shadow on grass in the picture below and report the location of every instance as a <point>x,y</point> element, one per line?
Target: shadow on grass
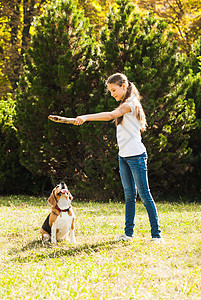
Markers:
<point>49,251</point>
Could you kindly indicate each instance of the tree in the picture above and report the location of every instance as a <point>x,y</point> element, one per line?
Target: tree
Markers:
<point>56,65</point>
<point>96,11</point>
<point>16,17</point>
<point>183,17</point>
<point>64,74</point>
<point>142,48</point>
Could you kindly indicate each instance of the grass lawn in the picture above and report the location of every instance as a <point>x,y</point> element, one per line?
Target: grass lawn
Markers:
<point>98,268</point>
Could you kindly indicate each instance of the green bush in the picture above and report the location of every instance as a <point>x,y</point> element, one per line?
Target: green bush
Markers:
<point>14,178</point>
<point>192,176</point>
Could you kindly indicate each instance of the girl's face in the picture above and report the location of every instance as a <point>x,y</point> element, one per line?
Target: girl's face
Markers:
<point>118,92</point>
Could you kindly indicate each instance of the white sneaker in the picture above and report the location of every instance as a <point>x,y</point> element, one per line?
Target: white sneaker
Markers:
<point>123,237</point>
<point>158,240</point>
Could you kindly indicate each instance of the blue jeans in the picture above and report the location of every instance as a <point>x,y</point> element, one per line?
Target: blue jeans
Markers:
<point>133,172</point>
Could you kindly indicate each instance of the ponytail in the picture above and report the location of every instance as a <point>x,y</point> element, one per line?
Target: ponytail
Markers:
<point>119,79</point>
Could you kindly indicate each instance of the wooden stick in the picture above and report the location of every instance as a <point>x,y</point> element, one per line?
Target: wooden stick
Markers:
<point>59,119</point>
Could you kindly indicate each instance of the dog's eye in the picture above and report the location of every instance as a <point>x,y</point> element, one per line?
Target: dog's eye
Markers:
<point>59,194</point>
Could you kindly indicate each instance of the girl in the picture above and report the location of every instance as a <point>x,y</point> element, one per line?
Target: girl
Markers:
<point>130,120</point>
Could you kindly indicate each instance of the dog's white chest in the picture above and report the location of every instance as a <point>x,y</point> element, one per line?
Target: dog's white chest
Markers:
<point>63,224</point>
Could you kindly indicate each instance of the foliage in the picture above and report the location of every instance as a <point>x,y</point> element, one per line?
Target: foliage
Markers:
<point>64,73</point>
<point>192,180</point>
<point>100,168</point>
<point>96,11</point>
<point>142,48</point>
<point>14,178</point>
<point>16,17</point>
<point>54,80</point>
<point>183,16</point>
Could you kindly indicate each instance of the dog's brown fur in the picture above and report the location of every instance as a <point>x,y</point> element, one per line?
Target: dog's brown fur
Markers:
<point>53,201</point>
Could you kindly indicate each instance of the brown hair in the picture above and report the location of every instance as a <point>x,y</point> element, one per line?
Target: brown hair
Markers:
<point>119,79</point>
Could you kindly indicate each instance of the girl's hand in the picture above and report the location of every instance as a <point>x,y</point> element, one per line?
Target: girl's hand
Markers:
<point>79,120</point>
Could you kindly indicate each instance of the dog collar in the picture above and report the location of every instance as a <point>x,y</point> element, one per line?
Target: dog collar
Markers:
<point>62,210</point>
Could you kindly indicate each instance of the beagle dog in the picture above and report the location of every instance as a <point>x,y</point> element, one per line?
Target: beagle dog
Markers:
<point>60,222</point>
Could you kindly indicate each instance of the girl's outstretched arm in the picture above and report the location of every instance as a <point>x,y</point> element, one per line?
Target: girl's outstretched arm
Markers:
<point>104,116</point>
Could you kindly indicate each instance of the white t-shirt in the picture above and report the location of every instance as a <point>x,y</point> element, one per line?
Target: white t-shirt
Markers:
<point>129,132</point>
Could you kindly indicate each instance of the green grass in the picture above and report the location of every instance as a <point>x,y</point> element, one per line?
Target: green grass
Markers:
<point>98,268</point>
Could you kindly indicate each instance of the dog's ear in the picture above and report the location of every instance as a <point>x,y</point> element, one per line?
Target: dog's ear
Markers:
<point>70,196</point>
<point>52,200</point>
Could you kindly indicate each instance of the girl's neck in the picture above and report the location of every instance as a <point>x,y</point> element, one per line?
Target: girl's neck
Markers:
<point>123,98</point>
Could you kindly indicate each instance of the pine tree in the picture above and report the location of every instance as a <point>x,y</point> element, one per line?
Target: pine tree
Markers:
<point>142,48</point>
<point>53,82</point>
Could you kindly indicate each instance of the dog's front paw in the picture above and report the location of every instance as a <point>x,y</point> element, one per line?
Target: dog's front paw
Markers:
<point>46,238</point>
<point>73,241</point>
<point>53,241</point>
